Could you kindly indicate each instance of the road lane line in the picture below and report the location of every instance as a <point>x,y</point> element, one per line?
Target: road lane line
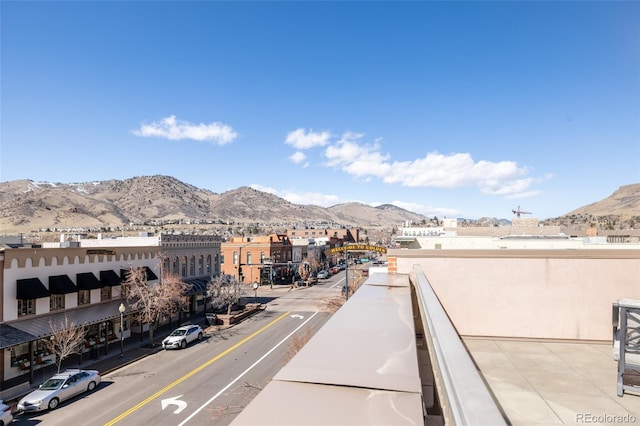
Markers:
<point>194,371</point>
<point>246,371</point>
<point>338,283</point>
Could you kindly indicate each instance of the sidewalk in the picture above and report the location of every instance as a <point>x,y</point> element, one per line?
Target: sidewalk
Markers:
<point>133,349</point>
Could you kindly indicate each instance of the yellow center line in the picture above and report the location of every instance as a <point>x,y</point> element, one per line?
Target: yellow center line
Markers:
<point>194,371</point>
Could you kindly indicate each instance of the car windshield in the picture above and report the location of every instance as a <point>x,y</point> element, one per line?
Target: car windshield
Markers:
<point>178,333</point>
<point>52,384</point>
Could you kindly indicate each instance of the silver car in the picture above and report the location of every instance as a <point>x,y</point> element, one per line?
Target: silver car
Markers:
<point>182,336</point>
<point>58,388</point>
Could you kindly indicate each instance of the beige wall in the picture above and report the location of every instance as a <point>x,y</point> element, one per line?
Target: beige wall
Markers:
<point>555,294</point>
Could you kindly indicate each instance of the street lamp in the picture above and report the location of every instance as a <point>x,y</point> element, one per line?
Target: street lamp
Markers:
<point>121,308</point>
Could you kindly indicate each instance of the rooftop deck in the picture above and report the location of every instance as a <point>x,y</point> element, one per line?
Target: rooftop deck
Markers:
<point>539,382</point>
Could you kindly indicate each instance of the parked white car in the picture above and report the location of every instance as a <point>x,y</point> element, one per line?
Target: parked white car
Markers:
<point>323,275</point>
<point>59,388</point>
<point>182,336</point>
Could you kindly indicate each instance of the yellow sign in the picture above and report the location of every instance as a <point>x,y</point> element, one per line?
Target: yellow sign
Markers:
<point>359,247</point>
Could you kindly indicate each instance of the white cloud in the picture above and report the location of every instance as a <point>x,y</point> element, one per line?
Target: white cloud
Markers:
<point>428,211</point>
<point>302,198</point>
<point>174,129</point>
<point>307,198</point>
<point>366,162</point>
<point>300,139</point>
<point>434,170</point>
<point>297,157</point>
<point>262,188</point>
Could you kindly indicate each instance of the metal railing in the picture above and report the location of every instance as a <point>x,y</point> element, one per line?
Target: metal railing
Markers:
<point>362,366</point>
<point>464,397</point>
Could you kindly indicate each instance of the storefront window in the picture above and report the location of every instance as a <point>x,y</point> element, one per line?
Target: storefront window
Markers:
<point>56,302</point>
<point>84,297</point>
<point>26,307</point>
<point>20,356</point>
<point>105,293</point>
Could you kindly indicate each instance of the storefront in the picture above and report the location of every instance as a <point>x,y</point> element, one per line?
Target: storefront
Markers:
<point>23,342</point>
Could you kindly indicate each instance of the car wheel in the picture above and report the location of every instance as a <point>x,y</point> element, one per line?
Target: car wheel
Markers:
<point>92,386</point>
<point>53,403</point>
<point>200,336</point>
<point>183,344</point>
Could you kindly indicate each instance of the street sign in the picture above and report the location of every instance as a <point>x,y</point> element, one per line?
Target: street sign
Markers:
<point>359,247</point>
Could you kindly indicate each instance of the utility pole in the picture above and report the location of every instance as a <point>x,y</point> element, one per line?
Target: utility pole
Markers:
<point>346,272</point>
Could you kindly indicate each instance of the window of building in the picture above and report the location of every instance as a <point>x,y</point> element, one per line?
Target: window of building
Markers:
<point>201,265</point>
<point>26,307</point>
<point>84,297</point>
<point>192,266</point>
<point>249,258</point>
<point>56,302</point>
<point>184,267</point>
<point>176,264</point>
<point>235,257</point>
<point>105,293</point>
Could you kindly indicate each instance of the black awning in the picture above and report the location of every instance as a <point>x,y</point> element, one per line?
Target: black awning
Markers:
<point>150,274</point>
<point>109,278</point>
<point>61,284</point>
<point>196,286</point>
<point>87,281</point>
<point>31,288</point>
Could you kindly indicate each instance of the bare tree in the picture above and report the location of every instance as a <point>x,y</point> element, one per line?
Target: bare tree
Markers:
<point>152,301</point>
<point>66,339</point>
<point>226,290</point>
<point>307,267</point>
<point>297,342</point>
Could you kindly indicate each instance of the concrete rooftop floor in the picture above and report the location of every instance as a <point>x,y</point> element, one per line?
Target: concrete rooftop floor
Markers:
<point>547,383</point>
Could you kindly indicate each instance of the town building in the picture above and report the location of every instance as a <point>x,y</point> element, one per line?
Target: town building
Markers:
<point>263,259</point>
<point>82,281</point>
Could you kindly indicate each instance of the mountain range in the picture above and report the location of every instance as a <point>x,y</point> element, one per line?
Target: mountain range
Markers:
<point>28,206</point>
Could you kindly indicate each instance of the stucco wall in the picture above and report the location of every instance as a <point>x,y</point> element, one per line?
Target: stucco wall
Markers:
<point>44,262</point>
<point>555,294</point>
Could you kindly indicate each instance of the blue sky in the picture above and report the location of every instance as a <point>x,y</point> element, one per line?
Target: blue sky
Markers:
<point>449,109</point>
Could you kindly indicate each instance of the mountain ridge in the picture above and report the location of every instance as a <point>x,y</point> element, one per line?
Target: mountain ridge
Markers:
<point>28,205</point>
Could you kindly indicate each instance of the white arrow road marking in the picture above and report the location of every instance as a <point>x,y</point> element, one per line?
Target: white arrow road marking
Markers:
<point>174,401</point>
<point>297,316</point>
<point>245,371</point>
